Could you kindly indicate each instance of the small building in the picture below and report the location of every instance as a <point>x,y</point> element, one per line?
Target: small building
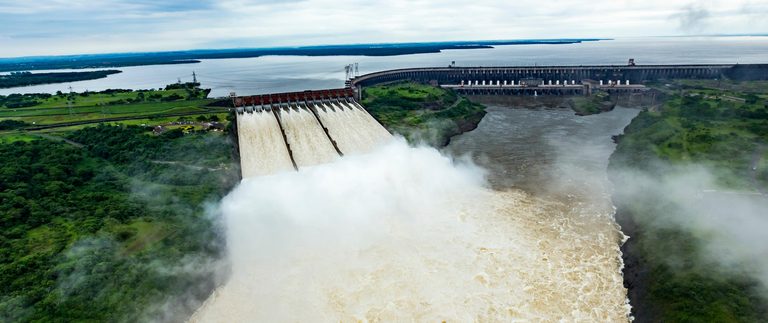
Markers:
<point>159,129</point>
<point>733,99</point>
<point>215,126</point>
<point>531,82</point>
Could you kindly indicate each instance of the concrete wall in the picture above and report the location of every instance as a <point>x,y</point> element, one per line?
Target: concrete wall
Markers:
<point>633,74</point>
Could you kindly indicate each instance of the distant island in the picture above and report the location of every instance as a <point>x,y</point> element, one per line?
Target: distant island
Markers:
<point>193,56</point>
<point>17,79</point>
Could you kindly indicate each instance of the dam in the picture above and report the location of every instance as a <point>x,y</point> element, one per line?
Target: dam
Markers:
<point>558,80</point>
<point>292,131</point>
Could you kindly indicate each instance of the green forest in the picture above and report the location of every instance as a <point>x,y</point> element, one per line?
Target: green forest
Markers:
<point>696,128</point>
<point>422,113</point>
<point>107,232</point>
<point>17,79</point>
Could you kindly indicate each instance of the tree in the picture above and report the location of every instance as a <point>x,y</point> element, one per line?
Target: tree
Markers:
<point>12,124</point>
<point>174,133</point>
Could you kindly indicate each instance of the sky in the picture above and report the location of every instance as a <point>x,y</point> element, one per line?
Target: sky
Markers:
<point>59,27</point>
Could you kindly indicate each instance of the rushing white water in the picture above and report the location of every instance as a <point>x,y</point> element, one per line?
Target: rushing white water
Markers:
<point>406,234</point>
<point>353,134</point>
<point>309,143</point>
<point>359,112</point>
<point>262,148</point>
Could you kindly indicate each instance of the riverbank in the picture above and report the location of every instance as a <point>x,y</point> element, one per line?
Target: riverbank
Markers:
<point>422,113</point>
<point>691,256</point>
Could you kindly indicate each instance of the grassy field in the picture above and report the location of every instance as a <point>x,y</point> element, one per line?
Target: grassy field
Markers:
<point>96,99</point>
<point>8,137</point>
<point>406,90</point>
<point>147,107</point>
<point>148,104</point>
<point>422,113</point>
<point>136,122</point>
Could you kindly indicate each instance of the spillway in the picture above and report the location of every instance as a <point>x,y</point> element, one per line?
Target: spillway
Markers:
<point>363,114</point>
<point>353,134</point>
<point>303,129</point>
<point>262,148</point>
<point>309,143</point>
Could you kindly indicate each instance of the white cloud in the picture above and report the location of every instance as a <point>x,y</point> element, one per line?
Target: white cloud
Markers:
<point>88,26</point>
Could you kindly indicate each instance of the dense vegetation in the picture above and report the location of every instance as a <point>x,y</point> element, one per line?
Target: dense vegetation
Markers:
<point>693,130</point>
<point>107,233</point>
<point>422,113</point>
<point>593,104</point>
<point>28,78</point>
<point>15,101</point>
<point>177,86</point>
<point>12,124</point>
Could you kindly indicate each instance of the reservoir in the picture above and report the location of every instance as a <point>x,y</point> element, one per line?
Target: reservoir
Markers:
<point>276,74</point>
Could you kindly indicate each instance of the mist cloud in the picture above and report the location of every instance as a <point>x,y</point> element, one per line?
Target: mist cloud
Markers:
<point>406,234</point>
<point>728,226</point>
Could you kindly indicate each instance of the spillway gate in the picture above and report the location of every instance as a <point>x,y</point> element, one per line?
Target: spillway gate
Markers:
<point>298,130</point>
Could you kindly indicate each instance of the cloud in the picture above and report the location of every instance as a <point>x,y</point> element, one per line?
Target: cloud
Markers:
<point>692,18</point>
<point>89,26</point>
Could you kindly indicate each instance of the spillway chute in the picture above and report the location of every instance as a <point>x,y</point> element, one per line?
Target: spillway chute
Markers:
<point>262,148</point>
<point>316,127</point>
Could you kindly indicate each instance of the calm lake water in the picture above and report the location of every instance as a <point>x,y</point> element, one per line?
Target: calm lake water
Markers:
<point>272,74</point>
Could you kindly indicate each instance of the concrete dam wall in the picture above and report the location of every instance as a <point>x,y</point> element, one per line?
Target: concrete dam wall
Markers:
<point>291,131</point>
<point>563,80</point>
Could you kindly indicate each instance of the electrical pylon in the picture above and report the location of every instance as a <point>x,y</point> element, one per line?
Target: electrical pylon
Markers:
<point>69,102</point>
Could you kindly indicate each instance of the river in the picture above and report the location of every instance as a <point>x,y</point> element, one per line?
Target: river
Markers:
<point>407,234</point>
<point>411,234</point>
<point>274,74</point>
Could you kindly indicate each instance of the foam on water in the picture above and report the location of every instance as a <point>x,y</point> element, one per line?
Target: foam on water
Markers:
<point>406,234</point>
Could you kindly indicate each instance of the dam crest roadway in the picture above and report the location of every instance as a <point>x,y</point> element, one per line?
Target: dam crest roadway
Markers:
<point>558,80</point>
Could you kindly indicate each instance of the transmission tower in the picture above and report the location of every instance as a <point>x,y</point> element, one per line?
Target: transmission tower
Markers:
<point>104,110</point>
<point>69,102</point>
<point>357,72</point>
<point>194,77</point>
<point>348,69</point>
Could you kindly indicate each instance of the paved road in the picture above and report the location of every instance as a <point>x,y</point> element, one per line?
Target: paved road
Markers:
<point>753,170</point>
<point>76,123</point>
<point>76,144</point>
